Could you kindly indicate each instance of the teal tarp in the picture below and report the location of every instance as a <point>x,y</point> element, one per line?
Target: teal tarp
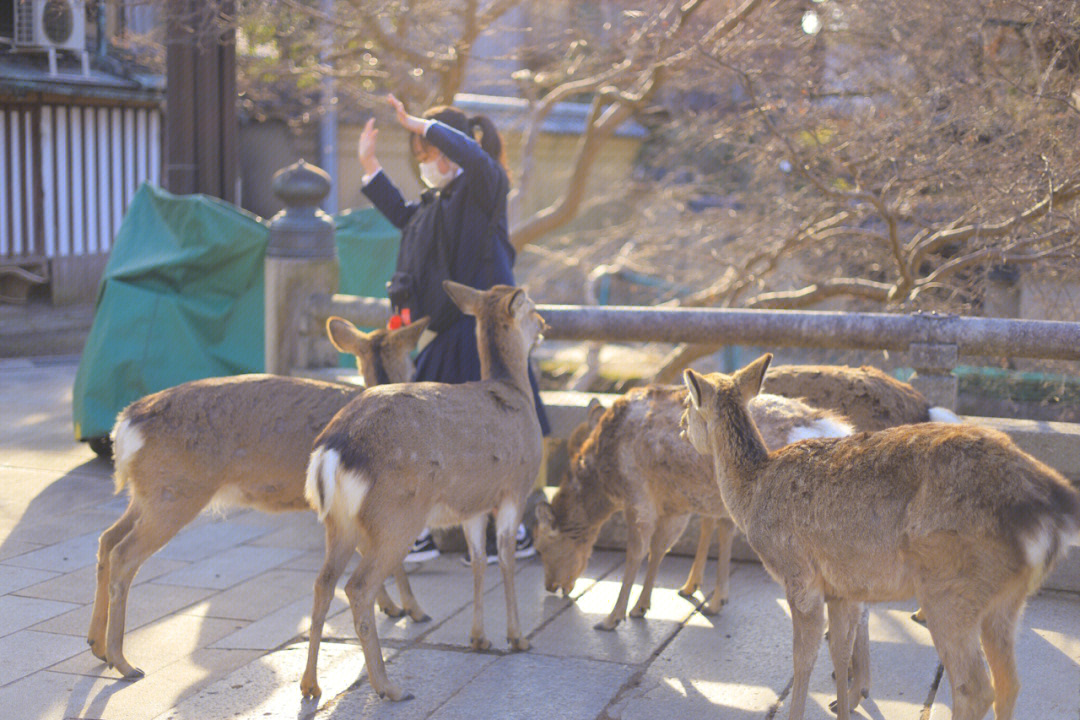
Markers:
<point>182,298</point>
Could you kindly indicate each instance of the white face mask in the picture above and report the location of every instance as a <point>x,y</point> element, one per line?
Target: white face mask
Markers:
<point>433,177</point>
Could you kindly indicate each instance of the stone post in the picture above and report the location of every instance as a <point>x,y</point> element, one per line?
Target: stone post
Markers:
<point>301,259</point>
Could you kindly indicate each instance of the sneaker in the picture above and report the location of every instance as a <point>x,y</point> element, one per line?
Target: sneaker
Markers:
<point>423,549</point>
<point>523,547</point>
<point>524,543</point>
<point>491,549</point>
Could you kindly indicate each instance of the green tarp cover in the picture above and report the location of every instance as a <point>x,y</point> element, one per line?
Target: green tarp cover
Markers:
<point>182,297</point>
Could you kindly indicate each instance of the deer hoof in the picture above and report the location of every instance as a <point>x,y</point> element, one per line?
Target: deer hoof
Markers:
<point>479,643</point>
<point>420,616</point>
<point>99,654</point>
<point>310,688</point>
<point>687,591</point>
<point>638,612</point>
<point>395,694</point>
<point>606,624</point>
<point>919,616</point>
<point>518,644</point>
<point>392,610</point>
<point>130,673</point>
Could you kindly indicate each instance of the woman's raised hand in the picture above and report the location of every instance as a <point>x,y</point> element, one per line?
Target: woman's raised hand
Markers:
<point>366,148</point>
<point>410,122</point>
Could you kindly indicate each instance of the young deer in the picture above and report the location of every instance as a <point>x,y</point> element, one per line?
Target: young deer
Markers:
<point>239,441</point>
<point>403,457</point>
<point>866,396</point>
<point>635,460</point>
<point>955,515</point>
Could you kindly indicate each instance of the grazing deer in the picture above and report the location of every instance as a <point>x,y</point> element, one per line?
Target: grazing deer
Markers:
<point>955,515</point>
<point>866,396</point>
<point>402,457</point>
<point>231,441</point>
<point>635,460</point>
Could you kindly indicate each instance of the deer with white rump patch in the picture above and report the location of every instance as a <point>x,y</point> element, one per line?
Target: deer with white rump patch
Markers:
<point>403,457</point>
<point>635,460</point>
<point>955,515</point>
<point>231,441</point>
<point>866,396</point>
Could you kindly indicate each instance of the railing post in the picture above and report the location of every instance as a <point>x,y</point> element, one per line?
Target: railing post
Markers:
<point>934,363</point>
<point>301,259</point>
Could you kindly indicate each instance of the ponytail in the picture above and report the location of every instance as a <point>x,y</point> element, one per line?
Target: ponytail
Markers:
<point>479,127</point>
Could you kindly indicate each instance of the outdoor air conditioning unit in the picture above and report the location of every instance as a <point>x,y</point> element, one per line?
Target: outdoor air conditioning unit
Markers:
<point>51,25</point>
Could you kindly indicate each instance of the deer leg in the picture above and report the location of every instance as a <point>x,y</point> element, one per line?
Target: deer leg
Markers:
<point>386,604</point>
<point>843,621</point>
<point>149,532</point>
<point>507,519</point>
<point>701,556</point>
<point>639,531</point>
<point>475,529</point>
<point>668,530</point>
<point>808,623</point>
<point>719,597</point>
<point>999,647</point>
<point>408,600</point>
<point>860,660</point>
<point>95,636</point>
<point>361,589</point>
<point>954,628</point>
<point>339,550</point>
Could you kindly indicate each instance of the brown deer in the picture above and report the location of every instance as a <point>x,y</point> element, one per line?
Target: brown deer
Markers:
<point>402,457</point>
<point>866,396</point>
<point>231,441</point>
<point>635,460</point>
<point>955,515</point>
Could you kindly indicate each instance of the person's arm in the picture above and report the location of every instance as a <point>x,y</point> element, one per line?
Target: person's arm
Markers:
<point>483,171</point>
<point>387,199</point>
<point>376,185</point>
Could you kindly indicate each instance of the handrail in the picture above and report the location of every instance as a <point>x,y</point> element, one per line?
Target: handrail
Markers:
<point>770,328</point>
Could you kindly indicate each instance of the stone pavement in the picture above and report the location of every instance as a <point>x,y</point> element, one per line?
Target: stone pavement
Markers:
<point>218,618</point>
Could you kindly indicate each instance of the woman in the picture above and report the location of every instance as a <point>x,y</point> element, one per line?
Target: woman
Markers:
<point>457,230</point>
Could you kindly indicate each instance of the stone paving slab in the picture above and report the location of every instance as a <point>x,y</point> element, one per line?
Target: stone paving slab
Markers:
<point>230,641</point>
<point>268,688</point>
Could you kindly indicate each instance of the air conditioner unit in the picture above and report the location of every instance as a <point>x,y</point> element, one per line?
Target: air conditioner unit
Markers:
<point>50,25</point>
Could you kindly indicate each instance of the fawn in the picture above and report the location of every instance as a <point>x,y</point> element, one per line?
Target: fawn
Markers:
<point>402,457</point>
<point>231,441</point>
<point>635,460</point>
<point>955,515</point>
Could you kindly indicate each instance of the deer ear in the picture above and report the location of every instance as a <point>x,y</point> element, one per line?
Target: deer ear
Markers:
<point>749,379</point>
<point>693,385</point>
<point>545,515</point>
<point>516,302</point>
<point>466,298</point>
<point>410,334</point>
<point>593,412</point>
<point>345,337</point>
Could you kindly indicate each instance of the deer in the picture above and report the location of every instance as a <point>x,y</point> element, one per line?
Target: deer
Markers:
<point>869,398</point>
<point>402,457</point>
<point>635,460</point>
<point>238,441</point>
<point>953,514</point>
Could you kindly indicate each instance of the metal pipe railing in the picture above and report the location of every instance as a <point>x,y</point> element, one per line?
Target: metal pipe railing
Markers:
<point>770,328</point>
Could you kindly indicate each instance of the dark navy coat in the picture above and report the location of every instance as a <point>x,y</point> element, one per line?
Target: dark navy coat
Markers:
<point>467,220</point>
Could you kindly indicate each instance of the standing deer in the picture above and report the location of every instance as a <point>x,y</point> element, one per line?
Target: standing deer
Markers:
<point>955,515</point>
<point>866,396</point>
<point>402,457</point>
<point>231,441</point>
<point>635,460</point>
